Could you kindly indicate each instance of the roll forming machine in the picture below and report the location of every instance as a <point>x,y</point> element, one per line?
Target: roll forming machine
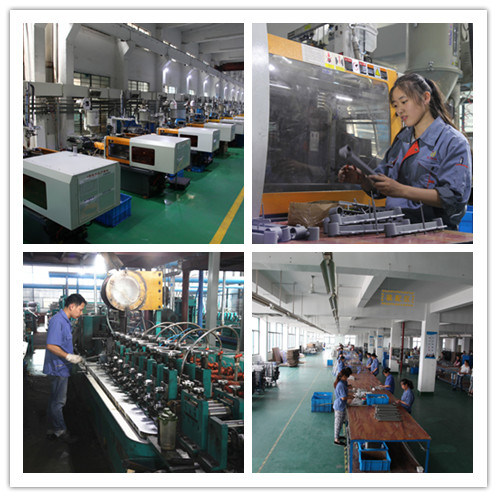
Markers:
<point>164,399</point>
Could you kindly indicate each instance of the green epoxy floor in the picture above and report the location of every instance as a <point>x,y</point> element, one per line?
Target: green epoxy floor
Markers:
<point>289,438</point>
<point>190,216</point>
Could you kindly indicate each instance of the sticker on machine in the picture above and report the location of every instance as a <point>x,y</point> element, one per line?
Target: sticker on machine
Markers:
<point>314,141</point>
<point>313,55</point>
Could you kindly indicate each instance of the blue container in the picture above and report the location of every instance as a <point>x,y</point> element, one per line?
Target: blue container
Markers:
<point>322,402</point>
<point>330,362</point>
<point>373,399</point>
<point>118,214</point>
<point>466,224</point>
<point>377,459</point>
<point>414,370</point>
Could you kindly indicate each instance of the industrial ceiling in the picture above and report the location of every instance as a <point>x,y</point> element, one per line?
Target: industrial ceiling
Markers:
<point>441,282</point>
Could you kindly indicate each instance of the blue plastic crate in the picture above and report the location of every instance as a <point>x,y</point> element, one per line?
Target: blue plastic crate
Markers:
<point>117,214</point>
<point>330,362</point>
<point>377,459</point>
<point>414,370</point>
<point>373,399</point>
<point>322,402</point>
<point>466,224</point>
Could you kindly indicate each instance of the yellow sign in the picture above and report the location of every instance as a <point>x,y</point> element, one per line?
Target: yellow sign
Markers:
<point>393,297</point>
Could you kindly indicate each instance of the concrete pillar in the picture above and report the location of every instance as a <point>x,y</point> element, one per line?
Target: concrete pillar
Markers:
<point>395,342</point>
<point>379,346</point>
<point>466,345</point>
<point>428,353</point>
<point>34,41</point>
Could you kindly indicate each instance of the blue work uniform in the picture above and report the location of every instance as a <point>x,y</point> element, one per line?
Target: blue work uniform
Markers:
<point>408,398</point>
<point>439,159</point>
<point>340,366</point>
<point>374,366</point>
<point>390,383</point>
<point>369,361</point>
<point>59,333</point>
<point>341,390</point>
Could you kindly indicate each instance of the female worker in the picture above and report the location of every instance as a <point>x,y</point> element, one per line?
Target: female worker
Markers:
<point>407,399</point>
<point>340,404</point>
<point>429,162</point>
<point>369,361</point>
<point>341,364</point>
<point>389,381</point>
<point>374,365</point>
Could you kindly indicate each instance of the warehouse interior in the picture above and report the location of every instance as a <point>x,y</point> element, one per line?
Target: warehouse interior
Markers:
<point>160,386</point>
<point>322,100</point>
<point>414,310</point>
<point>133,133</point>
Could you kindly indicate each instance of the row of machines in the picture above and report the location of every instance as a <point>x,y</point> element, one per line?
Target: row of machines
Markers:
<point>164,397</point>
<point>64,190</point>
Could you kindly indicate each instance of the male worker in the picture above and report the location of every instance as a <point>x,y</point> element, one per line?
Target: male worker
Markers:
<point>59,358</point>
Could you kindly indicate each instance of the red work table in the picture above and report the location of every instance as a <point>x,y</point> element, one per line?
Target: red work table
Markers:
<point>363,427</point>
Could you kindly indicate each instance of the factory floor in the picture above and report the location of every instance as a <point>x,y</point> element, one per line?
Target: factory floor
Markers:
<point>41,455</point>
<point>289,438</point>
<point>210,210</point>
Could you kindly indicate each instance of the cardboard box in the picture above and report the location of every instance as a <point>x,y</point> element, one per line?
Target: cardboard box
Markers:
<point>309,214</point>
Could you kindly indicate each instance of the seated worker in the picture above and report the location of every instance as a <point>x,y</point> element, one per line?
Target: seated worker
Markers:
<point>360,355</point>
<point>463,370</point>
<point>389,381</point>
<point>407,399</point>
<point>374,365</point>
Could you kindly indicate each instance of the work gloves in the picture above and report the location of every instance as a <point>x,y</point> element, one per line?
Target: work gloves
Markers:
<point>74,359</point>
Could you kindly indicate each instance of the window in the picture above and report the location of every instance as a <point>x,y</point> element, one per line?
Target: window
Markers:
<point>91,80</point>
<point>35,191</point>
<point>138,85</point>
<point>274,336</point>
<point>416,342</point>
<point>256,334</point>
<point>292,337</point>
<point>171,89</point>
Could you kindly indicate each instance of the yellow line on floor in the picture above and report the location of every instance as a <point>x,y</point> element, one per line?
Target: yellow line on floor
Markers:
<point>218,237</point>
<point>287,424</point>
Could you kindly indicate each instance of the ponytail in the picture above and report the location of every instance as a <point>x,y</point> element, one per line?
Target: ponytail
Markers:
<point>342,375</point>
<point>407,382</point>
<point>437,106</point>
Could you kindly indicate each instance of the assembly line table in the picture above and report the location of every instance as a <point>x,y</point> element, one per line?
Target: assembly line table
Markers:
<point>444,236</point>
<point>363,427</point>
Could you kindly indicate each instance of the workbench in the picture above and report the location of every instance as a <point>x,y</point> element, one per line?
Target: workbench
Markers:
<point>445,373</point>
<point>444,236</point>
<point>363,427</point>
